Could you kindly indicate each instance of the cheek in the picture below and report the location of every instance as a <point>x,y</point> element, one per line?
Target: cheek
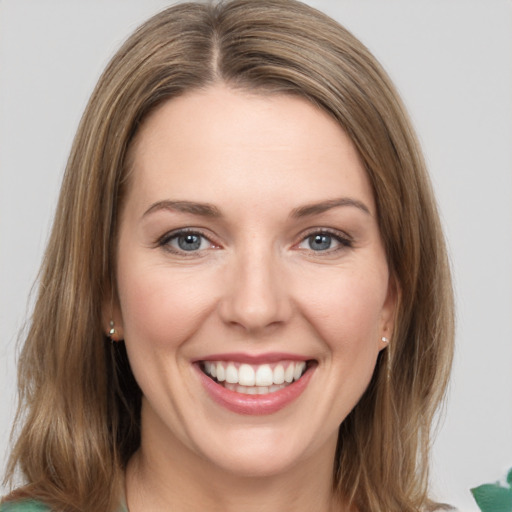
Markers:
<point>346,308</point>
<point>160,307</point>
<point>346,318</point>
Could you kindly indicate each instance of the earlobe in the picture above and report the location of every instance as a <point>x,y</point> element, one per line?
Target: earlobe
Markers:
<point>389,312</point>
<point>383,342</point>
<point>113,334</point>
<point>112,321</point>
<point>114,331</point>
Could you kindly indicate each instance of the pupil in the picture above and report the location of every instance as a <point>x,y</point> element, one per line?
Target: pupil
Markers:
<point>320,242</point>
<point>189,242</point>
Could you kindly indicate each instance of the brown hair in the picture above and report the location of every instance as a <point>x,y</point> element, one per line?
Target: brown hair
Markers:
<point>79,404</point>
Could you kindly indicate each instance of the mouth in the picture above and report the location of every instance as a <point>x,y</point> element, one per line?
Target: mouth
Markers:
<point>255,379</point>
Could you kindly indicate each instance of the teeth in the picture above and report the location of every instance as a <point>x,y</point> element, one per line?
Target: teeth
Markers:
<point>299,369</point>
<point>246,375</point>
<point>255,379</point>
<point>231,374</point>
<point>278,377</point>
<point>288,374</point>
<point>253,390</point>
<point>264,375</point>
<point>221,372</point>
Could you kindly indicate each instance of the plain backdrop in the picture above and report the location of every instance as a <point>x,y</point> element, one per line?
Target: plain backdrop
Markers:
<point>452,63</point>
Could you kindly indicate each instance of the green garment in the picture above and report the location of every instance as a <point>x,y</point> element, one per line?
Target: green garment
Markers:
<point>33,506</point>
<point>23,506</point>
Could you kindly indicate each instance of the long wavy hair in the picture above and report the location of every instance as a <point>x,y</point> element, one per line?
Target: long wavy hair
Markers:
<point>79,411</point>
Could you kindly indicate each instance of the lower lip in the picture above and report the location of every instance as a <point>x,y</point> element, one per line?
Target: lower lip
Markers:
<point>254,404</point>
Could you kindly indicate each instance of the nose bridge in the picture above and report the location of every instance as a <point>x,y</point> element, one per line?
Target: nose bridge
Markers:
<point>255,295</point>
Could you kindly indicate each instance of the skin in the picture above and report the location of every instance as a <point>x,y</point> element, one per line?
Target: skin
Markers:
<point>257,284</point>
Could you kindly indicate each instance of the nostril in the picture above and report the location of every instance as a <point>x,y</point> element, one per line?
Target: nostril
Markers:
<point>256,299</point>
<point>255,319</point>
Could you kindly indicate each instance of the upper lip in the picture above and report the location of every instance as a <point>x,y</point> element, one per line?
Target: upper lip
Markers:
<point>242,357</point>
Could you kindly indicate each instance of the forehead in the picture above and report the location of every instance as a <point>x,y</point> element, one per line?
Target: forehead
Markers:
<point>222,141</point>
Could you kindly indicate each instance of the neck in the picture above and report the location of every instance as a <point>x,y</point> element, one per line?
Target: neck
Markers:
<point>223,492</point>
<point>174,478</point>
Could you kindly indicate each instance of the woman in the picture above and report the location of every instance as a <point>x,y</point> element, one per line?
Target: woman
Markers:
<point>245,302</point>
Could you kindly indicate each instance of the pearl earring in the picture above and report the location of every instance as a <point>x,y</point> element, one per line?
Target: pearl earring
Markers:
<point>112,333</point>
<point>384,339</point>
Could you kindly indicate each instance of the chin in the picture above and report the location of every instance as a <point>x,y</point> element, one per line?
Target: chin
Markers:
<point>265,464</point>
<point>262,452</point>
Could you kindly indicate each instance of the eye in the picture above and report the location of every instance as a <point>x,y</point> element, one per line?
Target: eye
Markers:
<point>323,241</point>
<point>185,241</point>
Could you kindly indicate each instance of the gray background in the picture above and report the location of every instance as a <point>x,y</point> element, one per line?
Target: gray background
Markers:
<point>452,62</point>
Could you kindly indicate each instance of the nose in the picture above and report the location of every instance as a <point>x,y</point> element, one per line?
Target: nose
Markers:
<point>255,294</point>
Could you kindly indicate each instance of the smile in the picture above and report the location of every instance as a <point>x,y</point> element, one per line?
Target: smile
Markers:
<point>253,379</point>
<point>255,385</point>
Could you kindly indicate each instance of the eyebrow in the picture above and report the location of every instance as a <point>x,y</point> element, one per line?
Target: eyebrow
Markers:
<point>317,208</point>
<point>209,210</point>
<point>202,209</point>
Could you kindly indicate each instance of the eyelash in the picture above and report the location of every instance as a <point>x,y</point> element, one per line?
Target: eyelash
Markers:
<point>341,238</point>
<point>165,240</point>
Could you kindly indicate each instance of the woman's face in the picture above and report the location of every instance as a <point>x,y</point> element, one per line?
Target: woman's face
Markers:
<point>253,284</point>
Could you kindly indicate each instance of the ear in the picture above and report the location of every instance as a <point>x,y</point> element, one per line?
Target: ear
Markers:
<point>111,317</point>
<point>389,312</point>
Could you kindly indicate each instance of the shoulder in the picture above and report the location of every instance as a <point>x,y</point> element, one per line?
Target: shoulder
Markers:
<point>23,506</point>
